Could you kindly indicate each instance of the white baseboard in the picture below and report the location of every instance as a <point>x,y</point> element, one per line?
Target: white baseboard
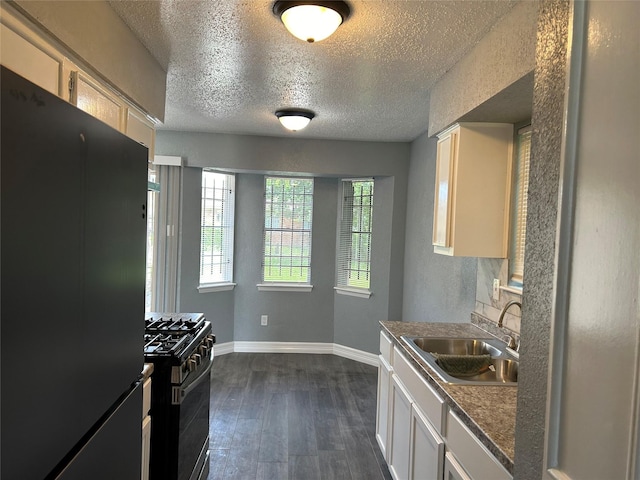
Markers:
<point>222,348</point>
<point>282,347</point>
<point>357,355</point>
<point>297,347</point>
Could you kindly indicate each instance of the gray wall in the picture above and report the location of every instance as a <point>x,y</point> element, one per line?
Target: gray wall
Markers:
<point>503,56</point>
<point>293,316</point>
<point>437,288</point>
<point>540,248</point>
<point>322,315</point>
<point>218,306</point>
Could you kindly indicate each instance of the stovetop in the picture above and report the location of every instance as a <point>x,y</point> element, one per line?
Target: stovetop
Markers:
<point>171,334</point>
<point>174,323</point>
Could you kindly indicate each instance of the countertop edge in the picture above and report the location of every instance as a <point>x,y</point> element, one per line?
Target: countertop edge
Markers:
<point>448,395</point>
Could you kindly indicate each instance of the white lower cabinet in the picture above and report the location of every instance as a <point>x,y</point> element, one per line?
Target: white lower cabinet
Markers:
<point>453,470</point>
<point>427,449</point>
<point>471,455</point>
<point>385,370</point>
<point>382,414</point>
<point>415,428</point>
<point>415,449</point>
<point>146,447</point>
<point>400,426</point>
<point>146,428</point>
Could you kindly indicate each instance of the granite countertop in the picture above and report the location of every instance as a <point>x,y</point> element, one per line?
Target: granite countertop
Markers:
<point>488,411</point>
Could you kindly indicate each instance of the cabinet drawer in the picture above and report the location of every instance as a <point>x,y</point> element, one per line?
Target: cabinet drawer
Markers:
<point>477,461</point>
<point>146,397</point>
<point>423,394</point>
<point>386,348</point>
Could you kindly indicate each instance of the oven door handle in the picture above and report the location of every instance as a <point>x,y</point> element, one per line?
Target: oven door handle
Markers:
<point>179,393</point>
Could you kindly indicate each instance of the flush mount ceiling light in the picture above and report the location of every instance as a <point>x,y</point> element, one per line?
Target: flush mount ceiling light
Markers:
<point>294,119</point>
<point>312,20</point>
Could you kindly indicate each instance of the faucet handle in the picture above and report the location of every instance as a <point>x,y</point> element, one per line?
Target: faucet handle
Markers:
<point>511,342</point>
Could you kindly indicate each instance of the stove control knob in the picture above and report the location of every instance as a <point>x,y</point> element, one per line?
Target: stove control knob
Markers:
<point>197,358</point>
<point>192,365</point>
<point>203,350</point>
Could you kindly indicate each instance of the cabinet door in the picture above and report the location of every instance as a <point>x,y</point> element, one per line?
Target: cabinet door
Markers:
<point>471,453</point>
<point>442,207</point>
<point>453,470</point>
<point>90,97</point>
<point>400,424</point>
<point>29,61</point>
<point>427,449</point>
<point>140,130</point>
<point>382,418</point>
<point>146,447</point>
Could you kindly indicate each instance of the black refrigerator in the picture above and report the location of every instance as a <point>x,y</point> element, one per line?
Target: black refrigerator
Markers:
<point>73,227</point>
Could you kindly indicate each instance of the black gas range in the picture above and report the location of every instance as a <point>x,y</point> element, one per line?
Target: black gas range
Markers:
<point>180,345</point>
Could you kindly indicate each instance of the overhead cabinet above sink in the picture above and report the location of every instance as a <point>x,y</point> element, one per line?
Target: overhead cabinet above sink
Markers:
<point>472,191</point>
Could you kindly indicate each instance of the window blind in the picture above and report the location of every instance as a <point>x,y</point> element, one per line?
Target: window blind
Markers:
<point>522,183</point>
<point>288,214</point>
<point>217,228</point>
<point>354,250</point>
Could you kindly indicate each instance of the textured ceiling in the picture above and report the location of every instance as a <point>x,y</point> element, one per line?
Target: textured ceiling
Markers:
<point>231,64</point>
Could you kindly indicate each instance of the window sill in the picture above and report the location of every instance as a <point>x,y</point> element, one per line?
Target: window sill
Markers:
<point>215,287</point>
<point>284,287</point>
<point>353,292</point>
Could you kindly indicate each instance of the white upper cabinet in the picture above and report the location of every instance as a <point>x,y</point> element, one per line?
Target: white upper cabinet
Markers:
<point>89,96</point>
<point>141,130</point>
<point>40,59</point>
<point>472,190</point>
<point>31,59</point>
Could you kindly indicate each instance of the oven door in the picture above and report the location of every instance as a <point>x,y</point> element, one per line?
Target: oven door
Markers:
<point>193,443</point>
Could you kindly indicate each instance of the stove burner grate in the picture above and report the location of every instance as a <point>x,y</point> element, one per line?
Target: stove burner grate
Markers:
<point>163,343</point>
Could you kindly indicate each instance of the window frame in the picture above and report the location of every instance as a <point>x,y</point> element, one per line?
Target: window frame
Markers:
<point>226,224</point>
<point>305,230</point>
<point>519,207</point>
<point>345,240</point>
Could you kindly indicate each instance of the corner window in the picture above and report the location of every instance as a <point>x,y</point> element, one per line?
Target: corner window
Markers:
<point>354,243</point>
<point>216,230</point>
<point>519,229</point>
<point>288,214</point>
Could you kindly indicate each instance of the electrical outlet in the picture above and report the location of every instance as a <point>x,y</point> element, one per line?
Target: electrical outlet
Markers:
<point>496,289</point>
<point>264,320</point>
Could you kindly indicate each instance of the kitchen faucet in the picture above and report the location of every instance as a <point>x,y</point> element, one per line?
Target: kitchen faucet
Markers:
<point>504,310</point>
<point>511,343</point>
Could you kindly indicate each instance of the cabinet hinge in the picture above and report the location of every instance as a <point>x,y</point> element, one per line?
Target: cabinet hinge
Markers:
<point>73,94</point>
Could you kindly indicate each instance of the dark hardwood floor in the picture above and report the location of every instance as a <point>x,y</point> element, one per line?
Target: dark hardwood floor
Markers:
<point>293,416</point>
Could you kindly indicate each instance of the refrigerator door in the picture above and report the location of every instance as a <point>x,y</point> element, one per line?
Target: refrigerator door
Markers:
<point>115,449</point>
<point>73,193</point>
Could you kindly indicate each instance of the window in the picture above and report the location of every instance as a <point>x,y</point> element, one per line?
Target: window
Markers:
<point>519,230</point>
<point>216,230</point>
<point>288,212</point>
<point>354,250</point>
<point>153,189</point>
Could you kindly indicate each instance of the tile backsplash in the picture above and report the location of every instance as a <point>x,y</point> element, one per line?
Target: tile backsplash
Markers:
<point>488,269</point>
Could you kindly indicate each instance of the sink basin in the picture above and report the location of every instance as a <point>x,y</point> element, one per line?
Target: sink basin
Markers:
<point>456,346</point>
<point>502,366</point>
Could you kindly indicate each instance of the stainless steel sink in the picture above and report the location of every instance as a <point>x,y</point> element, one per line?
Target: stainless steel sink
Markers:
<point>503,367</point>
<point>456,346</point>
